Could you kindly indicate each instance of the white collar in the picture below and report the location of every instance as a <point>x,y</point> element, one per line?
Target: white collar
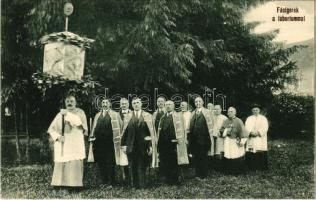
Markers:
<point>104,111</point>
<point>125,111</point>
<point>199,109</point>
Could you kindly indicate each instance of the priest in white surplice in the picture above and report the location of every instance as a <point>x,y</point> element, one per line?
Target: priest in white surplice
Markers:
<point>257,145</point>
<point>69,148</point>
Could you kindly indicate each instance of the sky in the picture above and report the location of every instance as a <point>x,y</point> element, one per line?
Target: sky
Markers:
<point>290,32</point>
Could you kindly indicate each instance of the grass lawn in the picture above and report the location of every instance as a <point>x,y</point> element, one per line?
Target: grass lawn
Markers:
<point>290,176</point>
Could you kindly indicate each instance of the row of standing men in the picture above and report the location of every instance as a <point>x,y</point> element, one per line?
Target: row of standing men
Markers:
<point>166,139</point>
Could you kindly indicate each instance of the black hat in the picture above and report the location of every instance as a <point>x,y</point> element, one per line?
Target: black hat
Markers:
<point>255,105</point>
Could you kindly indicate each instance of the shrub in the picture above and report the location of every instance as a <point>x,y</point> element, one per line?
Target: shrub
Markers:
<point>40,151</point>
<point>291,116</point>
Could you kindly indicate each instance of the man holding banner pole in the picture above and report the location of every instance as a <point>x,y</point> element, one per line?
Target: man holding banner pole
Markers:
<point>67,131</point>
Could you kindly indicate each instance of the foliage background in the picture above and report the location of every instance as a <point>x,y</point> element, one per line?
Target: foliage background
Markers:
<point>179,46</point>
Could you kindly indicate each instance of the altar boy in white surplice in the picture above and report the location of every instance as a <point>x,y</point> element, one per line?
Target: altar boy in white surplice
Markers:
<point>257,145</point>
<point>69,148</point>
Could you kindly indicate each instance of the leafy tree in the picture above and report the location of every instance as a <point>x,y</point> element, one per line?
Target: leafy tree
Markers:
<point>17,61</point>
<point>181,46</point>
<point>178,46</point>
<point>35,99</point>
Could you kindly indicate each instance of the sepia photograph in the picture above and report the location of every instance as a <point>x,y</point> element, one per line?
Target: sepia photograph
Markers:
<point>157,99</point>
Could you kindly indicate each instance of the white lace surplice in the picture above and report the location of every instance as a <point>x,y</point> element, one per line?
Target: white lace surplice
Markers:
<point>253,124</point>
<point>73,147</point>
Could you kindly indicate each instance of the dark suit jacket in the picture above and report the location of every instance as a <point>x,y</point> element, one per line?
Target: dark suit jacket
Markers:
<point>134,136</point>
<point>199,134</point>
<point>166,135</point>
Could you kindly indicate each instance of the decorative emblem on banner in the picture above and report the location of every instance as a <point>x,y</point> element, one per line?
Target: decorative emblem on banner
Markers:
<point>68,9</point>
<point>64,52</point>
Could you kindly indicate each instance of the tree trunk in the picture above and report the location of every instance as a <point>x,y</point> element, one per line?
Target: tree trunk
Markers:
<point>20,129</point>
<point>17,137</point>
<point>27,152</point>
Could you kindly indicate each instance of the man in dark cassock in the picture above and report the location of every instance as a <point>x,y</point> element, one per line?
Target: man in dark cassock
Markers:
<point>138,142</point>
<point>159,112</point>
<point>106,133</point>
<point>171,144</point>
<point>124,107</point>
<point>200,139</point>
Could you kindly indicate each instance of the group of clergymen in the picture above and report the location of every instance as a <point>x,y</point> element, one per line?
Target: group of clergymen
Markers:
<point>166,139</point>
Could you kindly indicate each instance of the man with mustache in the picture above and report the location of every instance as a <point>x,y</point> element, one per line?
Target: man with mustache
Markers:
<point>106,130</point>
<point>124,110</point>
<point>67,131</point>
<point>124,107</point>
<point>159,112</point>
<point>139,142</point>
